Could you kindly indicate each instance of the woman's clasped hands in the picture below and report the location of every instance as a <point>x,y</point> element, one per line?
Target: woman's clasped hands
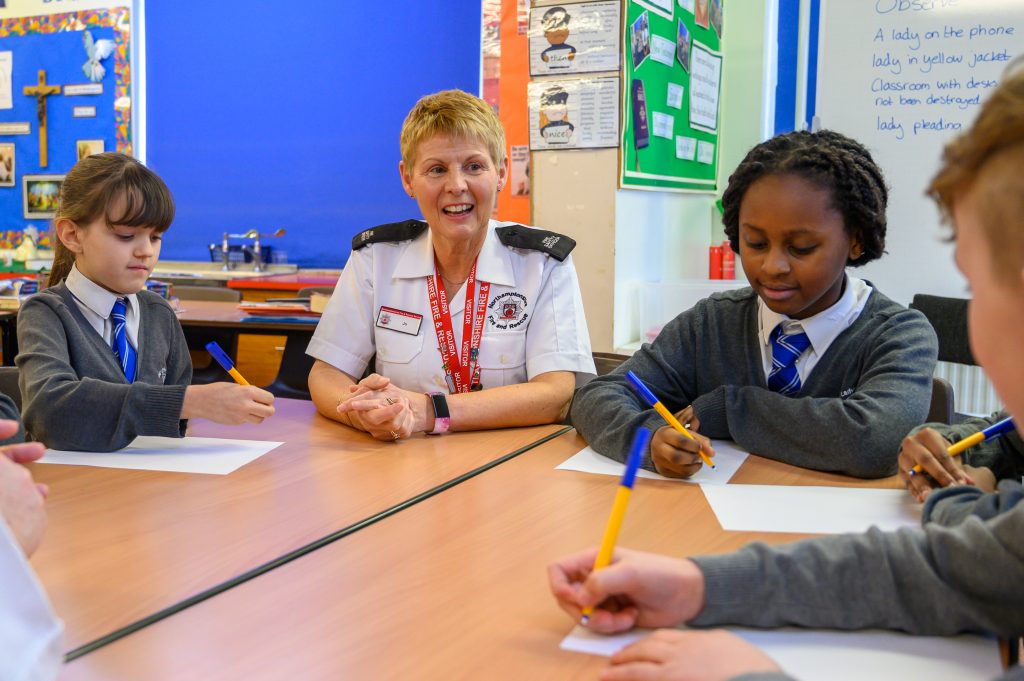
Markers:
<point>380,408</point>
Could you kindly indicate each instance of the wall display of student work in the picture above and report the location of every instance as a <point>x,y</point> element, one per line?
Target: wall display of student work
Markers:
<point>574,114</point>
<point>574,38</point>
<point>904,78</point>
<point>65,93</point>
<point>670,94</point>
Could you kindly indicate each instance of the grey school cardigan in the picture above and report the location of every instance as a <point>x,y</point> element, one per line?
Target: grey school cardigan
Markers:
<point>930,581</point>
<point>866,392</point>
<point>75,395</point>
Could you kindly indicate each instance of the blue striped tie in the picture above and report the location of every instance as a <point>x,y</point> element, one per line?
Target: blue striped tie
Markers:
<point>123,350</point>
<point>786,348</point>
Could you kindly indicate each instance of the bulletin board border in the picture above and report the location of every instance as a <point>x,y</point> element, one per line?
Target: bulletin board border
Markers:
<point>117,18</point>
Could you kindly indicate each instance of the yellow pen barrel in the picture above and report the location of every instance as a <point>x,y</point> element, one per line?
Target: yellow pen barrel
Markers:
<point>611,533</point>
<point>674,422</point>
<point>966,443</point>
<point>233,372</point>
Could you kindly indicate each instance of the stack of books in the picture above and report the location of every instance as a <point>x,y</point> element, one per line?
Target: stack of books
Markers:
<point>280,309</point>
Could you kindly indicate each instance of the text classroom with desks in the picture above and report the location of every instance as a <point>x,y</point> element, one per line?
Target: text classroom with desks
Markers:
<point>311,564</point>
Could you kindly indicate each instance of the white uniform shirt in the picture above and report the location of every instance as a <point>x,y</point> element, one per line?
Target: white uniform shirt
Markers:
<point>31,636</point>
<point>96,303</point>
<point>534,323</point>
<point>821,329</point>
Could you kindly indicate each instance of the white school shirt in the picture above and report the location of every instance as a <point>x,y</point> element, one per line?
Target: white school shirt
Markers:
<point>96,302</point>
<point>31,636</point>
<point>534,323</point>
<point>821,329</point>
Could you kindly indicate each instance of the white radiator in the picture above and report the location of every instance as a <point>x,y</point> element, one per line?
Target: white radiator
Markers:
<point>973,393</point>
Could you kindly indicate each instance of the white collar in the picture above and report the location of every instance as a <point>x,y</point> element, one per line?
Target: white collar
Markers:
<point>494,264</point>
<point>822,328</point>
<point>92,295</point>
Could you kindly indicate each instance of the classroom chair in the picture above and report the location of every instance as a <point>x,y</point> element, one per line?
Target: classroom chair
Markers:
<point>606,362</point>
<point>948,316</point>
<point>941,409</point>
<point>9,384</point>
<point>210,372</point>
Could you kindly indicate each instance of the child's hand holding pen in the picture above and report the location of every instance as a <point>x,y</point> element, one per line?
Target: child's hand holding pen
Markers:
<point>929,450</point>
<point>673,454</point>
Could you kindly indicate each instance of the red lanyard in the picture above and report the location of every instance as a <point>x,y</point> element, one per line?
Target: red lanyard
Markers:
<point>462,369</point>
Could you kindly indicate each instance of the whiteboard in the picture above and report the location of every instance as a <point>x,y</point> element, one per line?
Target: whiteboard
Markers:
<point>903,77</point>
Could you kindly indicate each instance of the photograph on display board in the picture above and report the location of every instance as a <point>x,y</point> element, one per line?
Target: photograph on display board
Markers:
<point>40,194</point>
<point>683,45</point>
<point>640,39</point>
<point>701,13</point>
<point>7,164</point>
<point>716,16</point>
<point>575,38</point>
<point>687,5</point>
<point>85,148</point>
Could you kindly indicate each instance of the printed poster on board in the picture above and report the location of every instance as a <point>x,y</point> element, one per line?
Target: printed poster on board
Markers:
<point>574,38</point>
<point>574,114</point>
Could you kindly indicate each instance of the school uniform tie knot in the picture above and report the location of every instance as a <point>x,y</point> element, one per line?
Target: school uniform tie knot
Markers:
<point>786,348</point>
<point>123,350</point>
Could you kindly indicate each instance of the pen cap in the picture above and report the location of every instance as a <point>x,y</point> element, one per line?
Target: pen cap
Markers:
<point>644,391</point>
<point>641,441</point>
<point>218,354</point>
<point>1001,428</point>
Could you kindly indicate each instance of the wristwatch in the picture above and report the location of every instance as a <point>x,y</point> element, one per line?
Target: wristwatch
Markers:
<point>442,417</point>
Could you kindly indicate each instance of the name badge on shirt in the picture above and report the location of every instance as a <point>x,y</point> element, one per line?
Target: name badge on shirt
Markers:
<point>399,320</point>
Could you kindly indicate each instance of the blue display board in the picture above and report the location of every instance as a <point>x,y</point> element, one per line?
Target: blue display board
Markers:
<point>268,115</point>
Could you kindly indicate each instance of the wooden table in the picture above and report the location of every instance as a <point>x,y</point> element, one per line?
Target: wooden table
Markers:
<point>123,545</point>
<point>454,588</point>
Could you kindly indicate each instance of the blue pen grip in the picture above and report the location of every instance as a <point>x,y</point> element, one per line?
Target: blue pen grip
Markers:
<point>644,391</point>
<point>997,429</point>
<point>641,441</point>
<point>218,354</point>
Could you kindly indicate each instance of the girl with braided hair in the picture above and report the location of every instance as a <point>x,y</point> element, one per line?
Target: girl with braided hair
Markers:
<point>806,351</point>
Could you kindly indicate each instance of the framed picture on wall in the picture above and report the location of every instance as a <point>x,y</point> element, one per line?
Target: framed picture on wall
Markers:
<point>88,148</point>
<point>39,195</point>
<point>7,164</point>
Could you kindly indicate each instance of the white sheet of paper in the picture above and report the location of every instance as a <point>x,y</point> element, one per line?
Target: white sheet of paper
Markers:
<point>663,50</point>
<point>662,124</point>
<point>705,152</point>
<point>674,96</point>
<point>728,459</point>
<point>6,65</point>
<point>817,510</point>
<point>211,455</point>
<point>842,655</point>
<point>686,147</point>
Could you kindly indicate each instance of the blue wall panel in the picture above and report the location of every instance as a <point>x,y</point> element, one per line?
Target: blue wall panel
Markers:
<point>262,116</point>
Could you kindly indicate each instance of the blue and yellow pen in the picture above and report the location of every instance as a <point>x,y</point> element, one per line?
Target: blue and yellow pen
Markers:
<point>991,433</point>
<point>649,397</point>
<point>222,359</point>
<point>604,555</point>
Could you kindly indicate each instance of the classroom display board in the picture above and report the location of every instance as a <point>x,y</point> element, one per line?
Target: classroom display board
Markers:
<point>904,78</point>
<point>65,93</point>
<point>672,83</point>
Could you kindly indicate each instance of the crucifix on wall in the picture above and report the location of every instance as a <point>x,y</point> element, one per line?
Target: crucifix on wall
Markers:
<point>41,91</point>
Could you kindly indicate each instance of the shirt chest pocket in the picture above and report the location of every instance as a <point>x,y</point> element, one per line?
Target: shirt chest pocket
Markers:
<point>398,348</point>
<point>502,359</point>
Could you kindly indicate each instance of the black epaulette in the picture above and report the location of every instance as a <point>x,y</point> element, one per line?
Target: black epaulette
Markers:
<point>558,246</point>
<point>395,231</point>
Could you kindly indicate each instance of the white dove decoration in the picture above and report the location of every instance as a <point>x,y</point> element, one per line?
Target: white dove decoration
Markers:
<point>96,51</point>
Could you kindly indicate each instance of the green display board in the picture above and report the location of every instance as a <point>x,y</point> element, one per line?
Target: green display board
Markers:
<point>672,55</point>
